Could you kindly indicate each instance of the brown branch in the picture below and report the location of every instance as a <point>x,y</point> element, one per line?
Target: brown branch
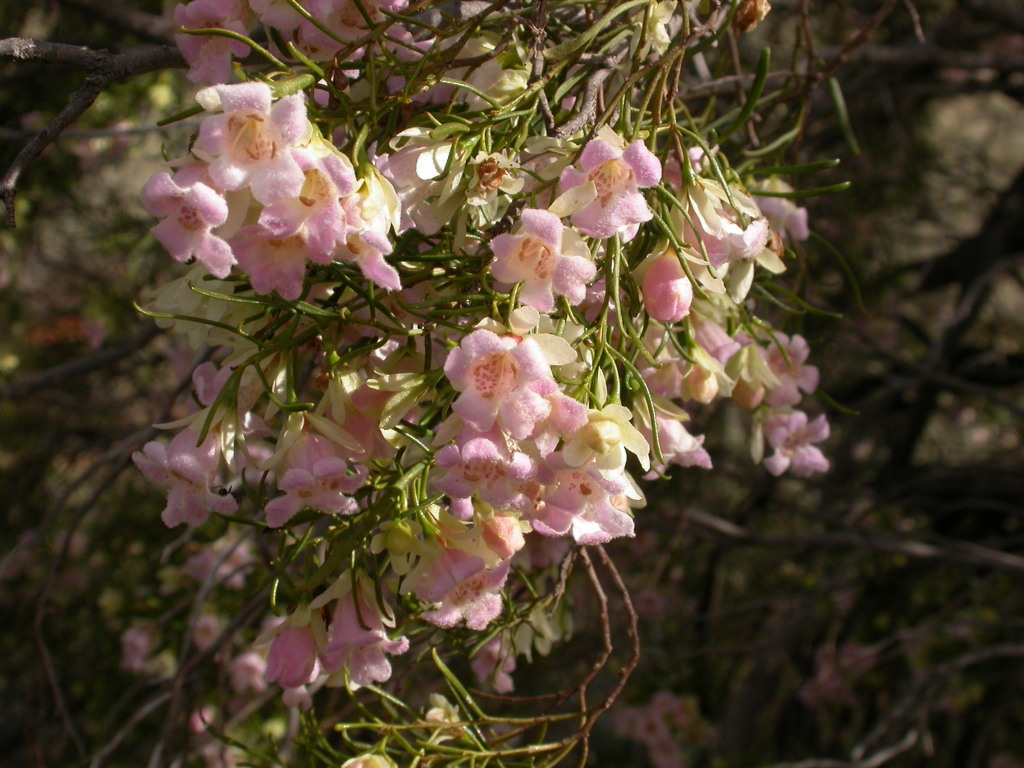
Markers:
<point>74,369</point>
<point>123,15</point>
<point>878,759</point>
<point>950,551</point>
<point>102,68</point>
<point>1006,12</point>
<point>587,112</point>
<point>933,55</point>
<point>859,40</point>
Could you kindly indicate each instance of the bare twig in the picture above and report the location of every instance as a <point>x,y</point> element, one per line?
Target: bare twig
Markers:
<point>587,112</point>
<point>1007,12</point>
<point>102,68</point>
<point>859,40</point>
<point>932,55</point>
<point>949,551</point>
<point>876,760</point>
<point>73,369</point>
<point>127,17</point>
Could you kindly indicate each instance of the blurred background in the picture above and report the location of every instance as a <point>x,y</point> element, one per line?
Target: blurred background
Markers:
<point>873,616</point>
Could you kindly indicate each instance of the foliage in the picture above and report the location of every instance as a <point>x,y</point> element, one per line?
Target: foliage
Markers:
<point>864,647</point>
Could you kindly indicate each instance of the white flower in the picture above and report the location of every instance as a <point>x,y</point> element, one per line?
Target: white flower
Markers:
<point>605,439</point>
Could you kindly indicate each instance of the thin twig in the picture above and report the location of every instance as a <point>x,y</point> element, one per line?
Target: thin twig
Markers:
<point>123,15</point>
<point>950,551</point>
<point>102,68</point>
<point>73,369</point>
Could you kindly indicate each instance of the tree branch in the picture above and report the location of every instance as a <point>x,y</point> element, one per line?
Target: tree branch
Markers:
<point>74,368</point>
<point>123,15</point>
<point>950,551</point>
<point>932,55</point>
<point>102,68</point>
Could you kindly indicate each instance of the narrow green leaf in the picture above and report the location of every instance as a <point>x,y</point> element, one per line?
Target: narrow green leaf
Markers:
<point>842,115</point>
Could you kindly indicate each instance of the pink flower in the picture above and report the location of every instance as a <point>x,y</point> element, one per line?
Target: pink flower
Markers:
<point>667,291</point>
<point>297,698</point>
<point>482,466</point>
<point>715,339</point>
<point>191,209</point>
<point>788,218</point>
<point>494,375</point>
<point>249,145</point>
<point>581,502</point>
<point>345,19</point>
<point>136,645</point>
<point>462,588</point>
<point>208,381</point>
<point>792,436</point>
<point>566,417</point>
<point>503,535</point>
<point>618,174</point>
<point>248,672</point>
<point>272,263</point>
<point>721,230</point>
<point>209,56</point>
<point>793,375</point>
<point>357,640</point>
<point>317,478</point>
<point>495,663</point>
<point>546,257</point>
<point>367,249</point>
<point>225,561</point>
<point>206,631</point>
<point>292,657</point>
<point>372,212</point>
<point>187,471</point>
<point>316,212</point>
<point>277,14</point>
<point>678,446</point>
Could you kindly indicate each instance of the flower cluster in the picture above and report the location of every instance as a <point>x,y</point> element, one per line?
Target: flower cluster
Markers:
<point>445,344</point>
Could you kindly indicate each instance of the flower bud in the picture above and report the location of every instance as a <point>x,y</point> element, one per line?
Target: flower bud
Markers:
<point>291,658</point>
<point>667,291</point>
<point>503,536</point>
<point>747,396</point>
<point>700,384</point>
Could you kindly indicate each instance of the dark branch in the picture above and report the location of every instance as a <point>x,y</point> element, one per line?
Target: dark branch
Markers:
<point>123,15</point>
<point>103,70</point>
<point>949,551</point>
<point>74,369</point>
<point>936,56</point>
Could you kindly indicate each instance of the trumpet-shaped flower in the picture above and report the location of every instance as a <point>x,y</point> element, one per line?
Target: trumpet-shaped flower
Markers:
<point>292,657</point>
<point>484,467</point>
<point>191,210</point>
<point>618,172</point>
<point>188,471</point>
<point>546,257</point>
<point>727,233</point>
<point>249,145</point>
<point>583,502</point>
<point>495,663</point>
<point>493,374</point>
<point>316,212</point>
<point>791,435</point>
<point>347,19</point>
<point>373,211</point>
<point>272,263</point>
<point>794,376</point>
<point>605,439</point>
<point>209,56</point>
<point>357,640</point>
<point>317,478</point>
<point>460,586</point>
<point>667,291</point>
